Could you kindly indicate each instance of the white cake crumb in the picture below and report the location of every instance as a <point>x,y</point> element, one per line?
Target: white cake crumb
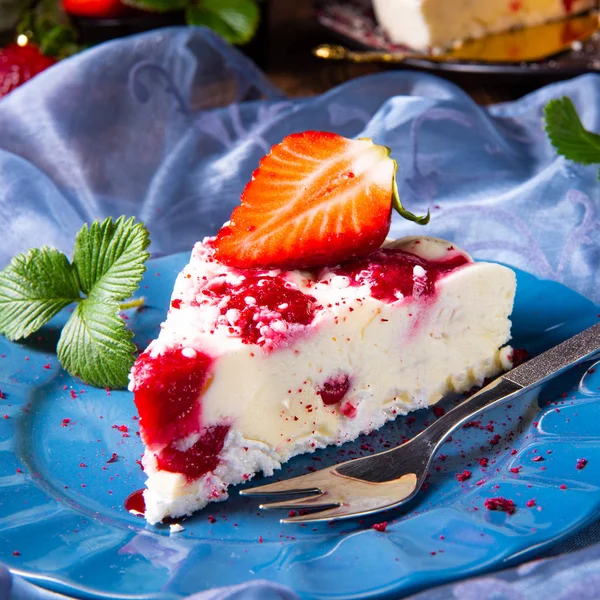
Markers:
<point>175,528</point>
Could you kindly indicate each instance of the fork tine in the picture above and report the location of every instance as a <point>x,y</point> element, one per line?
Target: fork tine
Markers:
<point>310,503</point>
<point>338,512</point>
<point>287,487</point>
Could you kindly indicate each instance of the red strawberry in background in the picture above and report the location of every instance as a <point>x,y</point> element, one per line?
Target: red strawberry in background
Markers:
<point>18,64</point>
<point>316,199</point>
<point>93,8</point>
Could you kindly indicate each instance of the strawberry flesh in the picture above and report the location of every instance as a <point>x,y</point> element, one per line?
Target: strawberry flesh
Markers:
<point>316,199</point>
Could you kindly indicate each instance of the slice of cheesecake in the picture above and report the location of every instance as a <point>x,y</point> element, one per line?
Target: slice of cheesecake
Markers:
<point>427,24</point>
<point>294,328</point>
<point>255,366</point>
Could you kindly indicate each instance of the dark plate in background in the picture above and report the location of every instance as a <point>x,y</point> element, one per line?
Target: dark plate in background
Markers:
<point>353,23</point>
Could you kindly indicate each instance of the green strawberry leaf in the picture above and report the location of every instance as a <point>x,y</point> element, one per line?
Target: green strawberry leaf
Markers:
<point>95,345</point>
<point>34,287</point>
<point>109,257</point>
<point>235,20</point>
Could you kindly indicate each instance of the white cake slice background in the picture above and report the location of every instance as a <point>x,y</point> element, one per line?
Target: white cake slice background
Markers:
<point>356,362</point>
<point>427,24</point>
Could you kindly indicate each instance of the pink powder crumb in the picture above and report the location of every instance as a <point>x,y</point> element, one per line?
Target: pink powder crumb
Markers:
<point>500,504</point>
<point>381,527</point>
<point>538,458</point>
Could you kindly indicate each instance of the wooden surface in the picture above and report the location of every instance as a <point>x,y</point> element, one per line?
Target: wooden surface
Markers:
<point>293,32</point>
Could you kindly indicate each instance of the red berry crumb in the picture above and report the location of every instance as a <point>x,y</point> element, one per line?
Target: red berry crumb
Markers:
<point>114,457</point>
<point>438,411</point>
<point>581,463</point>
<point>483,462</point>
<point>380,526</point>
<point>65,422</point>
<point>466,474</point>
<point>211,519</point>
<point>500,504</point>
<point>530,503</point>
<point>348,409</point>
<point>563,486</point>
<point>515,469</point>
<point>16,553</point>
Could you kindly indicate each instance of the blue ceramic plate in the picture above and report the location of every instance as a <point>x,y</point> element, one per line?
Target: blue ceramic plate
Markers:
<point>64,526</point>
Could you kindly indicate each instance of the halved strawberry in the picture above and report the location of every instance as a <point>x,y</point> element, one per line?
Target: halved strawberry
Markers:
<point>316,199</point>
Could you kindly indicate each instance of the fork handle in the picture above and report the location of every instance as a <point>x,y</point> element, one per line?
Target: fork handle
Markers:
<point>500,390</point>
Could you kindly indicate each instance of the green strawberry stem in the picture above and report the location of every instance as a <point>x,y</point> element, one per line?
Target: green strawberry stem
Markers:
<point>397,204</point>
<point>133,303</point>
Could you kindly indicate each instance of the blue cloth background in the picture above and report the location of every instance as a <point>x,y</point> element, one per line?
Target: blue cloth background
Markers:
<point>169,126</point>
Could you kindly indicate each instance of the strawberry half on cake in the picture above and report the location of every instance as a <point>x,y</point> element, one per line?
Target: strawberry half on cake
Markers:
<point>300,326</point>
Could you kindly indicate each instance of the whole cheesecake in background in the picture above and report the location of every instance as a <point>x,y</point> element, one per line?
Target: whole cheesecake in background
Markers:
<point>259,361</point>
<point>427,24</point>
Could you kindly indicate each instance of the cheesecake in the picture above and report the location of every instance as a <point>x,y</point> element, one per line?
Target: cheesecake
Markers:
<point>432,24</point>
<point>253,367</point>
<point>299,326</point>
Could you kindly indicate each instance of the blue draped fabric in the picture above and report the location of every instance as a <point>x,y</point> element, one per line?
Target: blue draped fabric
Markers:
<point>168,126</point>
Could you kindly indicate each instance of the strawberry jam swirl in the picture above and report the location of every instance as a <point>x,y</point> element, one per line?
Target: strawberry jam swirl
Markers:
<point>395,274</point>
<point>166,395</point>
<point>272,308</point>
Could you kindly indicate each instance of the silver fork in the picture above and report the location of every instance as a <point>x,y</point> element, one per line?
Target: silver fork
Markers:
<point>364,486</point>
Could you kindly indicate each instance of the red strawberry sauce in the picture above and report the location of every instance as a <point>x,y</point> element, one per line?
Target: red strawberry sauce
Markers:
<point>390,271</point>
<point>166,395</point>
<point>262,300</point>
<point>135,501</point>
